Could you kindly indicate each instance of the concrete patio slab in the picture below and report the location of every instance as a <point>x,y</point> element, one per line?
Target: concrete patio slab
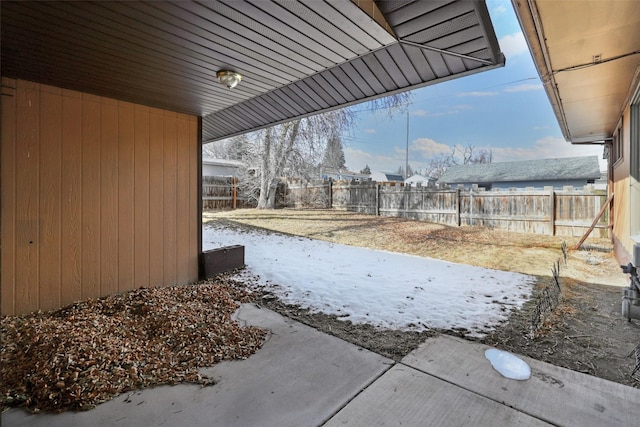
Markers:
<point>552,394</point>
<point>301,377</point>
<point>404,396</point>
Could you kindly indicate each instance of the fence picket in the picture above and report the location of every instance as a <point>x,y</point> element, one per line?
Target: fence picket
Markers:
<point>566,212</point>
<point>221,192</point>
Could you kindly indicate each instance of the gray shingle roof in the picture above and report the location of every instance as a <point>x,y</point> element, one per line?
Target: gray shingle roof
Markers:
<point>530,170</point>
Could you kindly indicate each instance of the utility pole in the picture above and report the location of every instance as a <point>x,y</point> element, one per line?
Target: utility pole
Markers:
<point>406,162</point>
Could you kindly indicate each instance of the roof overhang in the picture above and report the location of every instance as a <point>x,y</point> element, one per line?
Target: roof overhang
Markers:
<point>588,56</point>
<point>297,58</point>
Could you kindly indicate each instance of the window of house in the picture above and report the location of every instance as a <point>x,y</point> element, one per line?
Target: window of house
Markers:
<point>617,145</point>
<point>634,169</point>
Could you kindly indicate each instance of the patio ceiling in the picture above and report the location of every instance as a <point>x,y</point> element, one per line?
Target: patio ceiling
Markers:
<point>296,58</point>
<point>588,57</point>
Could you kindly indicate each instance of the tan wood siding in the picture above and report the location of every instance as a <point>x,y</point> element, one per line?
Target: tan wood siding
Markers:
<point>182,199</point>
<point>109,197</point>
<point>27,212</point>
<point>141,194</point>
<point>91,176</point>
<point>50,200</point>
<point>8,201</point>
<point>126,138</point>
<point>156,200</point>
<point>194,221</point>
<point>169,191</point>
<point>71,196</point>
<point>98,196</point>
<point>621,190</point>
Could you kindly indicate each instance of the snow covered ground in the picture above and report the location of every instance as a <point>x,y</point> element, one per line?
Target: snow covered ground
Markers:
<point>385,289</point>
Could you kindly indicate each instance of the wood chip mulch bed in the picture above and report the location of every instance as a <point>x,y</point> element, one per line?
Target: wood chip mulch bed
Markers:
<point>91,351</point>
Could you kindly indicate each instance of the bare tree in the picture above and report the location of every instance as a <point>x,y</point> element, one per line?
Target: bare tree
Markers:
<point>277,146</point>
<point>459,155</point>
<point>471,154</point>
<point>334,154</point>
<point>296,148</point>
<point>439,164</point>
<point>233,148</point>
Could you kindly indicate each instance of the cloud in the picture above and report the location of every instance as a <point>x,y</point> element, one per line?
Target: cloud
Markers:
<point>463,107</point>
<point>454,110</point>
<point>370,131</point>
<point>476,93</point>
<point>526,87</point>
<point>513,44</point>
<point>356,160</point>
<point>427,148</point>
<point>497,7</point>
<point>499,10</point>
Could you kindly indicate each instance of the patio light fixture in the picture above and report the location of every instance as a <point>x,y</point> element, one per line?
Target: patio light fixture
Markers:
<point>229,78</point>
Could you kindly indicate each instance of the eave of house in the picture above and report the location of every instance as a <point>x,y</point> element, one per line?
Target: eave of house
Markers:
<point>588,56</point>
<point>296,58</point>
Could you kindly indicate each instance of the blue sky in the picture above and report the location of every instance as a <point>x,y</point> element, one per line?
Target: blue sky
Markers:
<point>505,110</point>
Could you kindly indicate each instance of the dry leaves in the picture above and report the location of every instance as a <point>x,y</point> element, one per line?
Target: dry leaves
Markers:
<point>91,351</point>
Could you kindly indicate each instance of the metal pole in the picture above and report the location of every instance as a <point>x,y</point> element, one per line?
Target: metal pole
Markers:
<point>406,163</point>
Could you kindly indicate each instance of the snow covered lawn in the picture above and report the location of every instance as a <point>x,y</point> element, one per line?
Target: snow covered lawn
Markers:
<point>385,289</point>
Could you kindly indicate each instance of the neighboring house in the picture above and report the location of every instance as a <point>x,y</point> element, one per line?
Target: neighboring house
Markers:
<point>220,167</point>
<point>424,181</point>
<point>106,105</point>
<point>586,53</point>
<point>342,174</point>
<point>386,177</point>
<point>557,173</point>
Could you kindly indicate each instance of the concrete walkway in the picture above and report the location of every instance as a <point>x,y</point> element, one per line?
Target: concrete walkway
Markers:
<point>303,377</point>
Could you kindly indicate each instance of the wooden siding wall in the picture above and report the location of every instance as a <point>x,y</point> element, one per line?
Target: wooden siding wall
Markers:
<point>621,199</point>
<point>98,196</point>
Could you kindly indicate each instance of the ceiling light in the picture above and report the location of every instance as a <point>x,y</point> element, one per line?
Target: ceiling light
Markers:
<point>229,78</point>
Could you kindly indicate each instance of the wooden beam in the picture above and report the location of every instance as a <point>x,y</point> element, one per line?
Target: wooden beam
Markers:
<point>593,224</point>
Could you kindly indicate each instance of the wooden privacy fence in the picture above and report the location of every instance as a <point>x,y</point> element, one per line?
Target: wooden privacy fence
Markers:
<point>221,192</point>
<point>566,212</point>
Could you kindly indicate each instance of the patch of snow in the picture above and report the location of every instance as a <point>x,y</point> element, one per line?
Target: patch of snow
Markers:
<point>508,364</point>
<point>385,289</point>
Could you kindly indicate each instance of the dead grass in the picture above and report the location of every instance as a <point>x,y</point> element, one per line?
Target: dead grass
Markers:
<point>585,332</point>
<point>502,250</point>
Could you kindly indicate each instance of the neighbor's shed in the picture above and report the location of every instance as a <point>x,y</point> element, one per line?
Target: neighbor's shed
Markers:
<point>425,181</point>
<point>220,167</point>
<point>386,177</point>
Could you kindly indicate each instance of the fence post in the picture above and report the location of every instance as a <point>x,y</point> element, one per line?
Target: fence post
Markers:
<point>552,211</point>
<point>471,203</point>
<point>330,193</point>
<point>377,199</point>
<point>235,192</point>
<point>458,208</point>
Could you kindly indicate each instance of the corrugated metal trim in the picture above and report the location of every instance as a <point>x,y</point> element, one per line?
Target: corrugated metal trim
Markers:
<point>337,92</point>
